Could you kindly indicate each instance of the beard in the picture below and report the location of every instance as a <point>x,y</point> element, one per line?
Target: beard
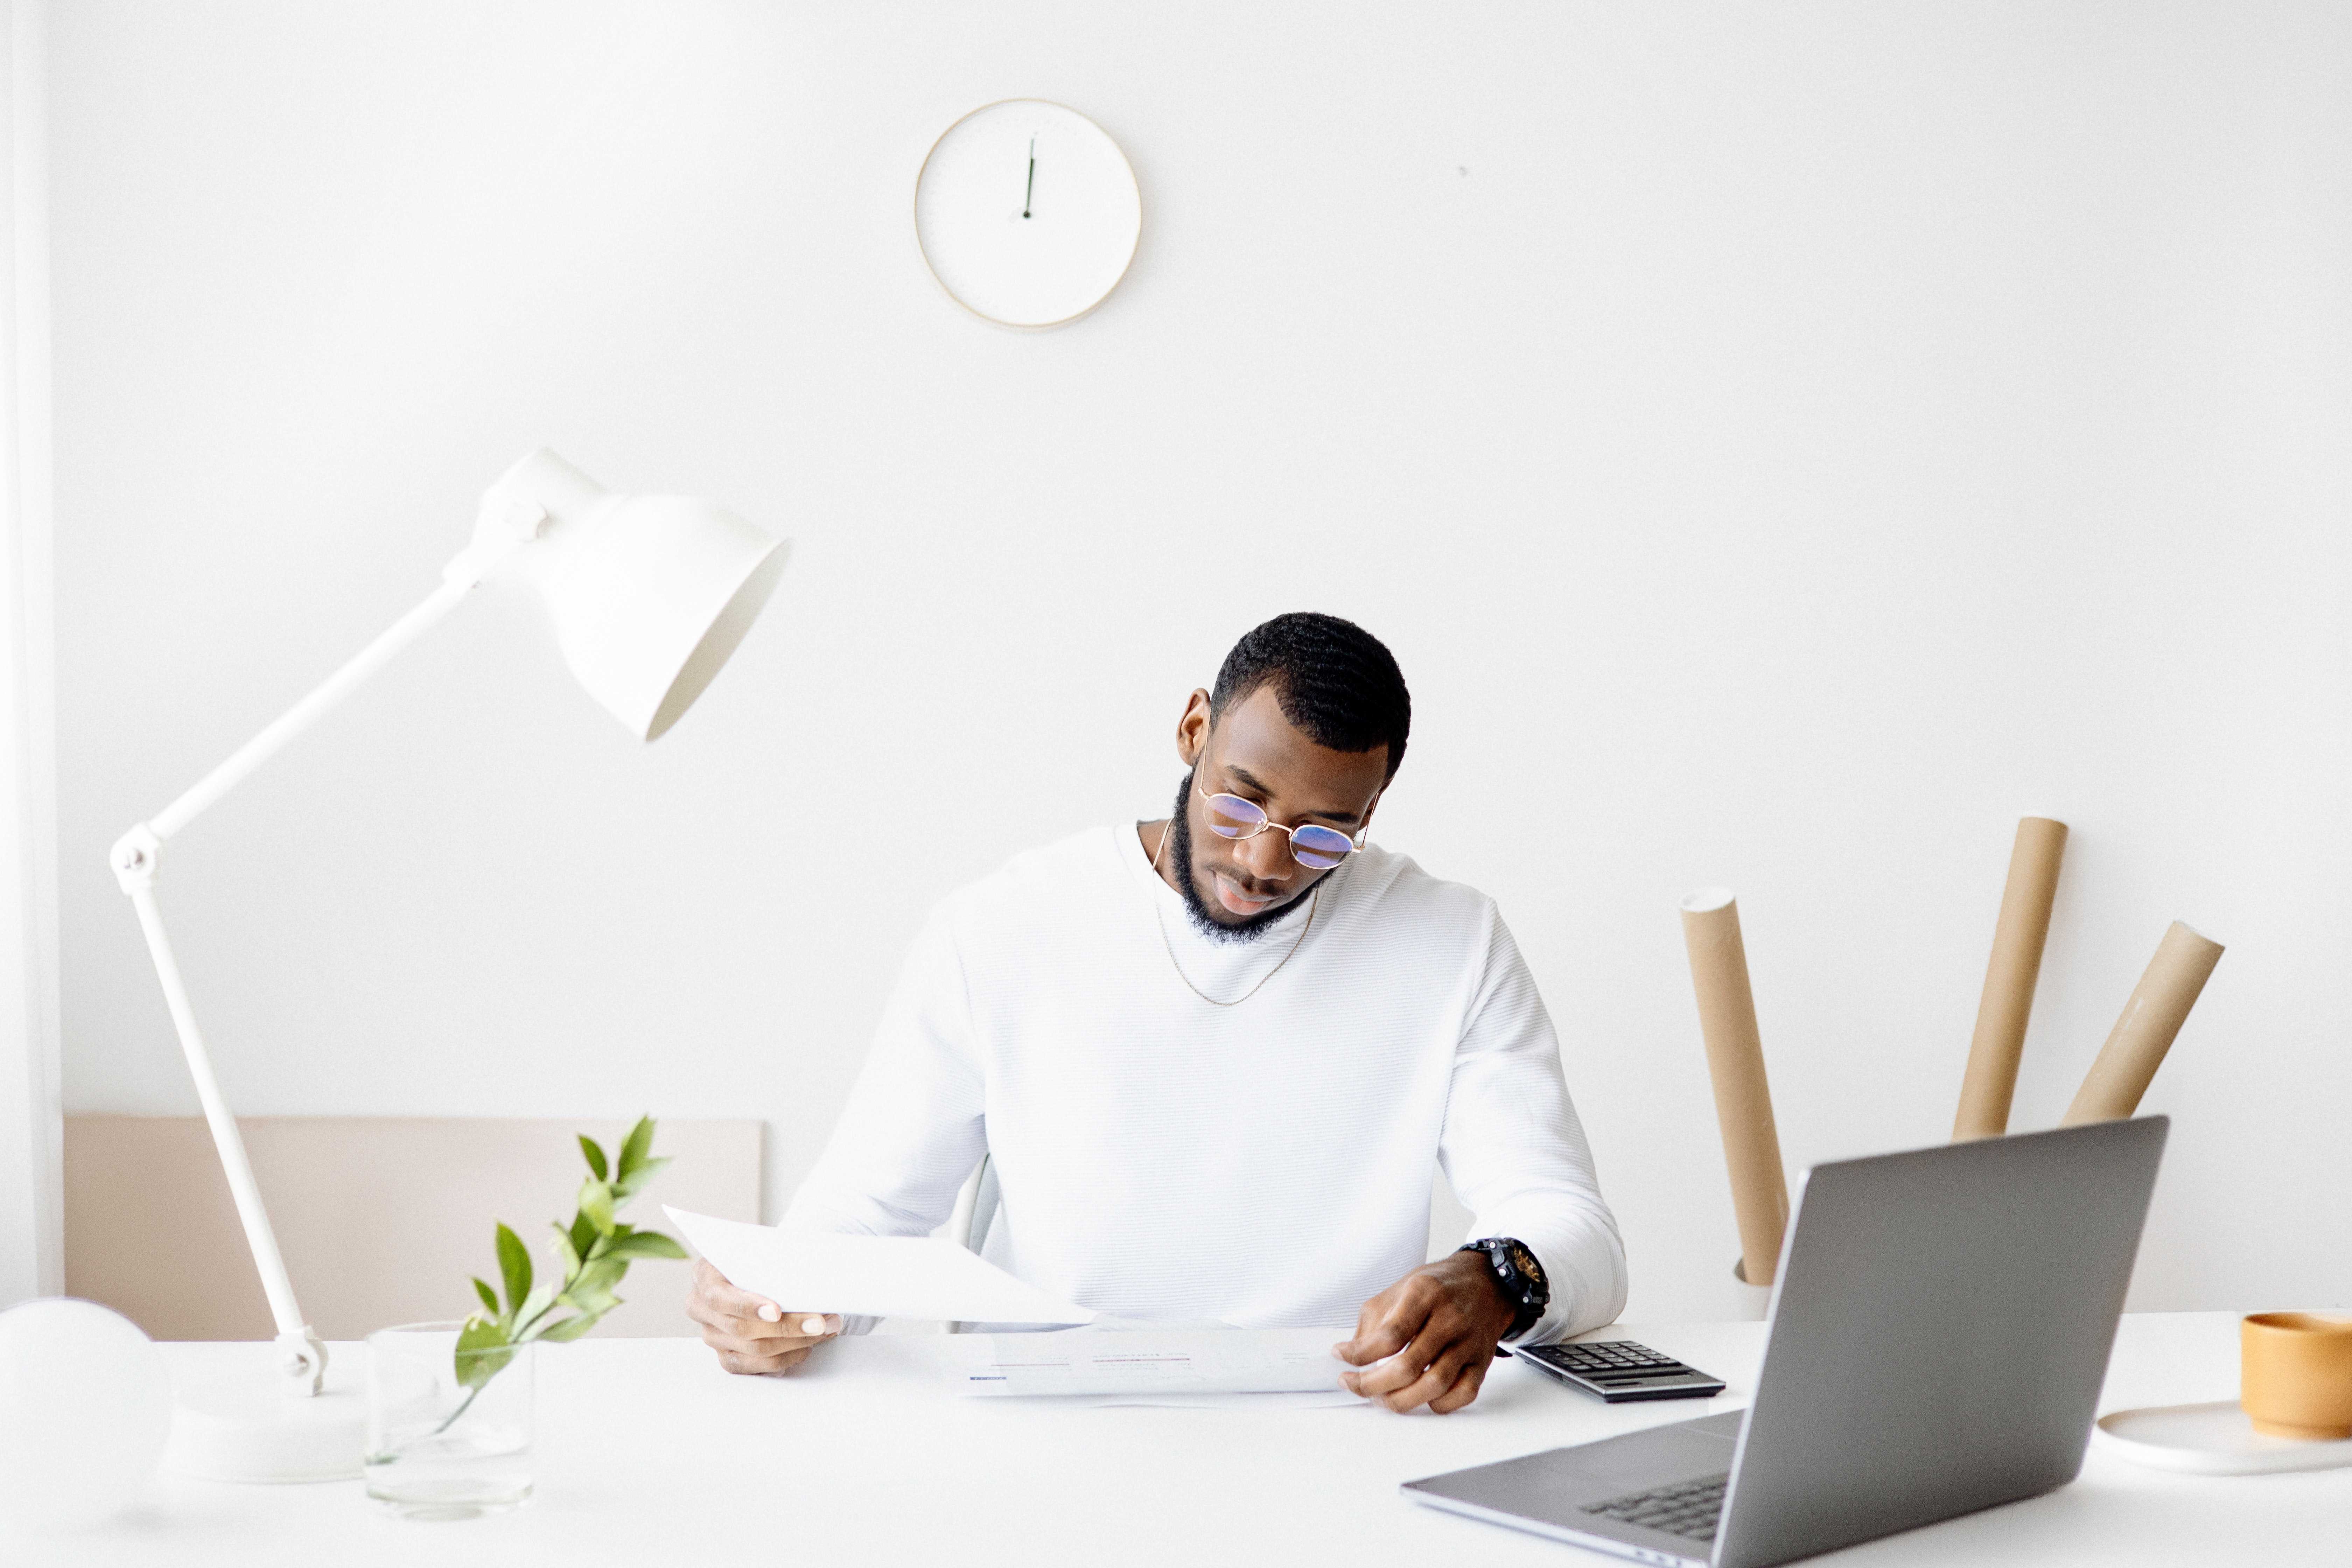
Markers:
<point>1180,823</point>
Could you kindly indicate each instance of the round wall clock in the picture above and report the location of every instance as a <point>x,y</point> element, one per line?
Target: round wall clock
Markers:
<point>1027,212</point>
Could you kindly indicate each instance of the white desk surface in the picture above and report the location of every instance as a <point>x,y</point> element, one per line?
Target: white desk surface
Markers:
<point>649,1454</point>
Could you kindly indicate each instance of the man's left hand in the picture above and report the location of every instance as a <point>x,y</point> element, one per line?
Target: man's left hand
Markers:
<point>1435,1333</point>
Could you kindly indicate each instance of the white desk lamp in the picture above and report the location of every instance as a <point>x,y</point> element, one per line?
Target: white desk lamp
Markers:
<point>649,594</point>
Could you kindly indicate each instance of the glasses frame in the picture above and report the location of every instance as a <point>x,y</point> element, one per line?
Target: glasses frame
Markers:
<point>1355,842</point>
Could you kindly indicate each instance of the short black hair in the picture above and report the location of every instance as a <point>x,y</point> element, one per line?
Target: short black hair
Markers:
<point>1335,680</point>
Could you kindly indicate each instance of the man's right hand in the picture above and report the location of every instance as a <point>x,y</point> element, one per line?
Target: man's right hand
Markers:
<point>751,1334</point>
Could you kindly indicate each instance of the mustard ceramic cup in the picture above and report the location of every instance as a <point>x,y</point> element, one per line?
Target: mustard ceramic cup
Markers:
<point>2295,1374</point>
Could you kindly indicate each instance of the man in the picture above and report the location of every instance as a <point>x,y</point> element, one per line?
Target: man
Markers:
<point>1214,1059</point>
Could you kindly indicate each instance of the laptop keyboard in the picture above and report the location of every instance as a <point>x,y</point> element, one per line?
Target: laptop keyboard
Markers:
<point>1689,1510</point>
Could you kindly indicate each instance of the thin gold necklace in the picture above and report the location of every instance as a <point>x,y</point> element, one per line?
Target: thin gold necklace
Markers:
<point>1313,900</point>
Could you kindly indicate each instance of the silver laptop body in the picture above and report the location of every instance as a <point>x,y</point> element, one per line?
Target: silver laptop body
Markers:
<point>1939,1335</point>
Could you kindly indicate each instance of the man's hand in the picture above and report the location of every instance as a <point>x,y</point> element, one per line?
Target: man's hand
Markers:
<point>1436,1331</point>
<point>751,1334</point>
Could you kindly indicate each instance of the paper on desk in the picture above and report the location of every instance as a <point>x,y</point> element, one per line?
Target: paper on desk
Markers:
<point>1324,1399</point>
<point>1151,1362</point>
<point>869,1276</point>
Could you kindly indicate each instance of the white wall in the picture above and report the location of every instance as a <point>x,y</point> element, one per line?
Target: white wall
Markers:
<point>1783,444</point>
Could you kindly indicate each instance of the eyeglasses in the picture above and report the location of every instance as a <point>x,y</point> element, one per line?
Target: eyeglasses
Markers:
<point>1312,844</point>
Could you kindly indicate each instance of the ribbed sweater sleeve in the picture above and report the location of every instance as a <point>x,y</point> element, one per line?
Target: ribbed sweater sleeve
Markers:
<point>1515,1152</point>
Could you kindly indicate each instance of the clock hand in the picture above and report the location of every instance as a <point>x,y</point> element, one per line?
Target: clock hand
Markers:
<point>1032,191</point>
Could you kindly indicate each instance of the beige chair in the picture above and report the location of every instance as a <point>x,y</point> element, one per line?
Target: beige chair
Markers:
<point>382,1219</point>
<point>975,1211</point>
<point>976,1207</point>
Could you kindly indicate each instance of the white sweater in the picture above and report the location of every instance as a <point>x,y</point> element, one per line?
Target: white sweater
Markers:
<point>1269,1164</point>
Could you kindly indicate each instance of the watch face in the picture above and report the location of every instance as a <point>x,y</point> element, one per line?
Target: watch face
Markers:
<point>1525,1261</point>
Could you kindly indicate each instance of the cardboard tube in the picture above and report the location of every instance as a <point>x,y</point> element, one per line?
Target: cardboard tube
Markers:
<point>1735,1059</point>
<point>2010,976</point>
<point>2159,1006</point>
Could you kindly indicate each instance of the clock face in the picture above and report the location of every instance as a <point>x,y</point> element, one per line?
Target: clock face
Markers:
<point>1027,212</point>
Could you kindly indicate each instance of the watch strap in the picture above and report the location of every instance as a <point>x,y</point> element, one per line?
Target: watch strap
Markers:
<point>1521,1278</point>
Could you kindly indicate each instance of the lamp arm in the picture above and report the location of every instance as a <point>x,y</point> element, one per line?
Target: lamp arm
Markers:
<point>303,1363</point>
<point>242,762</point>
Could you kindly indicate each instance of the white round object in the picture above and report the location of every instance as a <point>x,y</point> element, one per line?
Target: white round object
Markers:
<point>2211,1440</point>
<point>85,1407</point>
<point>1027,212</point>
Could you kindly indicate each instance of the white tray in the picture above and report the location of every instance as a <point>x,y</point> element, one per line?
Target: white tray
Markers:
<point>2211,1440</point>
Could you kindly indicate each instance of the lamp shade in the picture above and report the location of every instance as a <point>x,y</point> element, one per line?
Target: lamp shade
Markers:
<point>649,594</point>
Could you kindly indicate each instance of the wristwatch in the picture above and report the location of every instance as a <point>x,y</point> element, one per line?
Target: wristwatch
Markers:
<point>1519,1274</point>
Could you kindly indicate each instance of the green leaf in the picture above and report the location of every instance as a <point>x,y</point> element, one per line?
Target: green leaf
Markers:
<point>483,1352</point>
<point>596,1280</point>
<point>595,1156</point>
<point>490,1297</point>
<point>514,1263</point>
<point>594,1296</point>
<point>595,1206</point>
<point>645,1244</point>
<point>605,1243</point>
<point>637,1180</point>
<point>594,1307</point>
<point>565,1330</point>
<point>535,1306</point>
<point>583,1235</point>
<point>639,1145</point>
<point>567,1252</point>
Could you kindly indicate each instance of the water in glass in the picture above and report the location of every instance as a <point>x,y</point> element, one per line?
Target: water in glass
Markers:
<point>437,1447</point>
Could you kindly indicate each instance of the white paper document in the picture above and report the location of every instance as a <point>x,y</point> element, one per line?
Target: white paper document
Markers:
<point>1151,1362</point>
<point>870,1275</point>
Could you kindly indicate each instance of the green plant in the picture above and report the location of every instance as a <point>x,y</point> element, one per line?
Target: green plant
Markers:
<point>596,1251</point>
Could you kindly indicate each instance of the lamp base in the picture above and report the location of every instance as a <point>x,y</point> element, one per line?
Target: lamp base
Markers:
<point>247,1429</point>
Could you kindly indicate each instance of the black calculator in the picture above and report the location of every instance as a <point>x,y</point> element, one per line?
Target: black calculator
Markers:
<point>1619,1370</point>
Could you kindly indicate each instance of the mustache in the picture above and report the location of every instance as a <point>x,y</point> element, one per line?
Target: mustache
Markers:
<point>1188,883</point>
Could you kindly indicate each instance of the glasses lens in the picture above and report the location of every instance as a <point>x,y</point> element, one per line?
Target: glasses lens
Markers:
<point>1234,818</point>
<point>1320,848</point>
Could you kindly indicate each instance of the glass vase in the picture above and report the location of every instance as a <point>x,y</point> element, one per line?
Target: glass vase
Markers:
<point>448,1435</point>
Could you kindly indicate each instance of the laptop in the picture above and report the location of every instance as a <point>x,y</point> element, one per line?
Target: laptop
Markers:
<point>1939,1330</point>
